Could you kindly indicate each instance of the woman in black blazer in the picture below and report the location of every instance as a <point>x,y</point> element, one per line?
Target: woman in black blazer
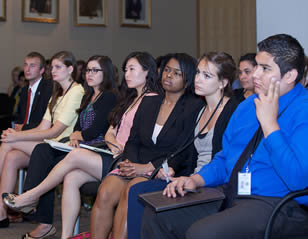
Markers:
<point>161,125</point>
<point>215,72</point>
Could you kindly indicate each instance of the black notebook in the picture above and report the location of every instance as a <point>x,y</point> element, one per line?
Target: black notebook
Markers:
<point>159,202</point>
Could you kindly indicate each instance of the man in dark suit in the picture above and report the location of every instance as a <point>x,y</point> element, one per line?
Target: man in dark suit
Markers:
<point>34,97</point>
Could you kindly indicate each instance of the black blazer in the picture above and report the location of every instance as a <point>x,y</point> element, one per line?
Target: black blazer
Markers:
<point>39,106</point>
<point>178,130</point>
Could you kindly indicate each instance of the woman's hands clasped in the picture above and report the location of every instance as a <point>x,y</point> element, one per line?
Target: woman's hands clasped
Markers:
<point>129,169</point>
<point>9,135</point>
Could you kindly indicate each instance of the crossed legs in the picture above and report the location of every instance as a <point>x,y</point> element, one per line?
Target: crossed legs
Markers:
<point>86,160</point>
<point>13,156</point>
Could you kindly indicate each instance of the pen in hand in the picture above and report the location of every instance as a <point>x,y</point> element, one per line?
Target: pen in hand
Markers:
<point>165,168</point>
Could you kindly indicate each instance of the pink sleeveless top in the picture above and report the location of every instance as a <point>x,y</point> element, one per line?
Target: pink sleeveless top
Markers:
<point>127,122</point>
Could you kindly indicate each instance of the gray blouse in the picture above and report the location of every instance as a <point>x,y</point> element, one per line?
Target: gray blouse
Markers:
<point>203,146</point>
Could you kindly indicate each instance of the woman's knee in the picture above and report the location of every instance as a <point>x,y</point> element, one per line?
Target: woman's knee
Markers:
<point>15,161</point>
<point>108,193</point>
<point>72,179</point>
<point>75,155</point>
<point>5,146</point>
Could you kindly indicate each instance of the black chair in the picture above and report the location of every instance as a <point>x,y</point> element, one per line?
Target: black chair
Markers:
<point>276,210</point>
<point>5,112</point>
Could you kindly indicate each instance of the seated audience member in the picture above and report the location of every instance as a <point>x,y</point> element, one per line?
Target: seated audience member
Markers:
<point>14,84</point>
<point>37,93</point>
<point>247,66</point>
<point>161,62</point>
<point>47,74</point>
<point>15,97</point>
<point>116,76</point>
<point>81,165</point>
<point>80,73</point>
<point>58,122</point>
<point>161,125</point>
<point>277,166</point>
<point>215,72</point>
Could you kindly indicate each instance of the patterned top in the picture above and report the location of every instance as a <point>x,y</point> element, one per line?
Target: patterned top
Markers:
<point>87,117</point>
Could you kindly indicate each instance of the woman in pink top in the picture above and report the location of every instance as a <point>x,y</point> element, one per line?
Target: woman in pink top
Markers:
<point>140,79</point>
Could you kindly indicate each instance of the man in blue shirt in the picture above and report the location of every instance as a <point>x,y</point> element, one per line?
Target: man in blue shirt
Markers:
<point>278,166</point>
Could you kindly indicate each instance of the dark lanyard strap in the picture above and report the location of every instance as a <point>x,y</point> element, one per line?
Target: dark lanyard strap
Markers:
<point>55,107</point>
<point>84,113</point>
<point>127,110</point>
<point>186,144</point>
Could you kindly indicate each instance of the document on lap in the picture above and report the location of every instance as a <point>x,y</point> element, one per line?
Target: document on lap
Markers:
<point>66,148</point>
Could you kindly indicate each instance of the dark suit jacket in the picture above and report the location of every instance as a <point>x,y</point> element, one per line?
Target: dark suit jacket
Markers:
<point>39,106</point>
<point>178,130</point>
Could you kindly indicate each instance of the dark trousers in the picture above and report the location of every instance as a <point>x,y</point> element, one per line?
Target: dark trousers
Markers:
<point>42,160</point>
<point>135,207</point>
<point>246,218</point>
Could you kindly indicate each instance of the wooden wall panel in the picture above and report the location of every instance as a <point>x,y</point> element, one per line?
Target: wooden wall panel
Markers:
<point>226,25</point>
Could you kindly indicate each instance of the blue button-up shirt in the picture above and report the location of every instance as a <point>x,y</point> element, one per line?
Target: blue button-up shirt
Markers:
<point>280,163</point>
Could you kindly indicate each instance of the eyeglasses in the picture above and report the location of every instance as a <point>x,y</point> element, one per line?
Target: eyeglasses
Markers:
<point>93,70</point>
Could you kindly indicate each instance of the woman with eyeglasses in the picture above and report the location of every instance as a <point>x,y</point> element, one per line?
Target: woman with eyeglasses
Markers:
<point>91,126</point>
<point>58,122</point>
<point>81,165</point>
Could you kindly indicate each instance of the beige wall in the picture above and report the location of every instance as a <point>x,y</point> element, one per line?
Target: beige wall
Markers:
<point>228,26</point>
<point>173,30</point>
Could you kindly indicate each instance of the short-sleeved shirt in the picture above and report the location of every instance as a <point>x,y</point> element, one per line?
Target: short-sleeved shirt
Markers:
<point>65,110</point>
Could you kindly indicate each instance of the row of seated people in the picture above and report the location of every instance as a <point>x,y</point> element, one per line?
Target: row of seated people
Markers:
<point>152,88</point>
<point>152,120</point>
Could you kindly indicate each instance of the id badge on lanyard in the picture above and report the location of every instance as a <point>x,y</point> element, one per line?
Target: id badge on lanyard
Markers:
<point>244,183</point>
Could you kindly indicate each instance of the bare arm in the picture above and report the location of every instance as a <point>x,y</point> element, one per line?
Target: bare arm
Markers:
<point>43,131</point>
<point>110,136</point>
<point>75,137</point>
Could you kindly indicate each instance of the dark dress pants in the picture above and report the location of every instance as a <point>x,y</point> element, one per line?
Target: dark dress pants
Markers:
<point>246,218</point>
<point>42,160</point>
<point>135,206</point>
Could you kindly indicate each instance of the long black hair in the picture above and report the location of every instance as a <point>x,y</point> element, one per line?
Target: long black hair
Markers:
<point>127,95</point>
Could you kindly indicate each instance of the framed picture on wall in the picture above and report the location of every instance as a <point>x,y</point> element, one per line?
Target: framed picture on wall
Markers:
<point>2,10</point>
<point>91,13</point>
<point>40,11</point>
<point>136,13</point>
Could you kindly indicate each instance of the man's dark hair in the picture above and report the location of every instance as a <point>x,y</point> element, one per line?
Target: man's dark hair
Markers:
<point>37,55</point>
<point>287,52</point>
